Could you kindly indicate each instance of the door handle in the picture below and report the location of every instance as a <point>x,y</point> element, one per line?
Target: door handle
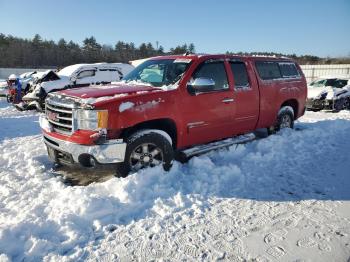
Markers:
<point>227,100</point>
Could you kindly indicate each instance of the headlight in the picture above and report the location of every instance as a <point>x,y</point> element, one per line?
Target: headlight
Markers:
<point>92,119</point>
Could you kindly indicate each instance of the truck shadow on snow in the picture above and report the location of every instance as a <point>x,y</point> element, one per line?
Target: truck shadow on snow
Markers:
<point>75,176</point>
<point>310,162</point>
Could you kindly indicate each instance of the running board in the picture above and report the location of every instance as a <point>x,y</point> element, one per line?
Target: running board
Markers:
<point>201,149</point>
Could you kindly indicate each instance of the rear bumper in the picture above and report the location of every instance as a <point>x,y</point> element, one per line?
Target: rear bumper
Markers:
<point>69,153</point>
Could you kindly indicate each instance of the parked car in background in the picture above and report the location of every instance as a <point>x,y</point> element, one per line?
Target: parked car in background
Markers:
<point>173,105</point>
<point>73,76</point>
<point>330,93</point>
<point>25,78</point>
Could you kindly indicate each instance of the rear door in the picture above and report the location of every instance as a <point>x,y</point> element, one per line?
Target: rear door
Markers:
<point>208,116</point>
<point>246,96</point>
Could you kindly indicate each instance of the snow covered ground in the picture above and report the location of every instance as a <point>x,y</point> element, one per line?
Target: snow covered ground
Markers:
<point>282,198</point>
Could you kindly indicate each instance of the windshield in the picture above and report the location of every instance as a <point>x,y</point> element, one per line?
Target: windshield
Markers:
<point>340,83</point>
<point>322,82</point>
<point>334,82</point>
<point>159,72</point>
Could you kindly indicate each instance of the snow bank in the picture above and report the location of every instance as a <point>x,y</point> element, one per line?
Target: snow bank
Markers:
<point>268,199</point>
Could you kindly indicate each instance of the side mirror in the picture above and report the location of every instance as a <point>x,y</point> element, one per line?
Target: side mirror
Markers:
<point>201,85</point>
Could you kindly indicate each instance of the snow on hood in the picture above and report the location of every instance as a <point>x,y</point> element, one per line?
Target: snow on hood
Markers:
<point>55,84</point>
<point>329,91</point>
<point>40,75</point>
<point>314,92</point>
<point>94,94</point>
<point>48,86</point>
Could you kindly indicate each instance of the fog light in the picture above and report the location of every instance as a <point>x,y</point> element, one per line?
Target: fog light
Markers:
<point>87,160</point>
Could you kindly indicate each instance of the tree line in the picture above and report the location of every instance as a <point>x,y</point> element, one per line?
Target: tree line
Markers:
<point>40,53</point>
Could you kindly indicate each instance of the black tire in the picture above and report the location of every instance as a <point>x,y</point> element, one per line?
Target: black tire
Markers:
<point>154,142</point>
<point>346,105</point>
<point>286,113</point>
<point>9,98</point>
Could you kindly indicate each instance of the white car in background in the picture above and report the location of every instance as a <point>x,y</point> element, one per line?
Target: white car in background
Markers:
<point>25,78</point>
<point>73,76</point>
<point>331,93</point>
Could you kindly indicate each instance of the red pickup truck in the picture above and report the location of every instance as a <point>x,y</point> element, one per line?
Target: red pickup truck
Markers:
<point>172,105</point>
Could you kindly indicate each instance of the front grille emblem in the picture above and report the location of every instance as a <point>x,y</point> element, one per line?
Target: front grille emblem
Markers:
<point>52,116</point>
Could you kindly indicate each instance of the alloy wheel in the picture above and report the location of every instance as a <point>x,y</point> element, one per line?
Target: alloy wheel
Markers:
<point>145,155</point>
<point>286,121</point>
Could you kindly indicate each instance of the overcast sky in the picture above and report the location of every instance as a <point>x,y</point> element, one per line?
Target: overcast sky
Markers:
<point>316,27</point>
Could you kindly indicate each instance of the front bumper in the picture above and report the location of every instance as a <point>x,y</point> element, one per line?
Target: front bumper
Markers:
<point>319,104</point>
<point>326,104</point>
<point>69,153</point>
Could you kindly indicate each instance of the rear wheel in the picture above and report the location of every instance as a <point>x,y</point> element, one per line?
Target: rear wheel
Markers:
<point>285,119</point>
<point>146,150</point>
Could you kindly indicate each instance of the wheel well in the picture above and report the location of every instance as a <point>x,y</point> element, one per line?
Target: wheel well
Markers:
<point>165,124</point>
<point>292,103</point>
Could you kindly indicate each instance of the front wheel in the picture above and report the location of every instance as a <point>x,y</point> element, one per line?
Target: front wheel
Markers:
<point>346,105</point>
<point>9,99</point>
<point>285,119</point>
<point>146,150</point>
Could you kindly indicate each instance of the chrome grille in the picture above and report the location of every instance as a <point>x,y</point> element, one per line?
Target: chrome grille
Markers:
<point>59,112</point>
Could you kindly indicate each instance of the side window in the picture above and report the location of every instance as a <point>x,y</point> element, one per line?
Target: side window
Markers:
<point>268,70</point>
<point>330,82</point>
<point>289,70</point>
<point>86,73</point>
<point>214,70</point>
<point>240,74</point>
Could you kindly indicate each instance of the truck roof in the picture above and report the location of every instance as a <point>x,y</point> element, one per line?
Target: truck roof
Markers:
<point>209,56</point>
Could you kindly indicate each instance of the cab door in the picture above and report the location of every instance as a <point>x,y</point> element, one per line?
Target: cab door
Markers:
<point>246,96</point>
<point>208,115</point>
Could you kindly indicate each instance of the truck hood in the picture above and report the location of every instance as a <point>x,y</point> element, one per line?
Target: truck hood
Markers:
<point>98,93</point>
